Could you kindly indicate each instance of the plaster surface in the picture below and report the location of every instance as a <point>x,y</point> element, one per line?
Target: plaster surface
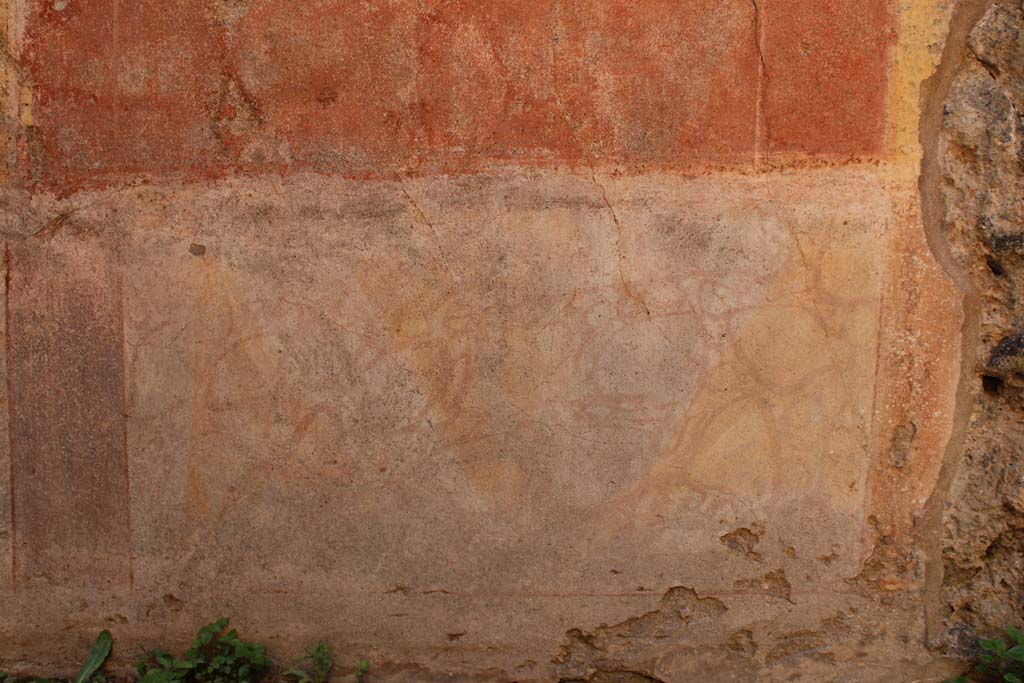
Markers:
<point>571,341</point>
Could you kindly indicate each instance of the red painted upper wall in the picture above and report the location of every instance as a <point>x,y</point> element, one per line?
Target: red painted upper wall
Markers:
<point>385,87</point>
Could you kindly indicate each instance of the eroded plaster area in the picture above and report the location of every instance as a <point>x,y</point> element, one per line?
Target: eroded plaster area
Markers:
<point>592,396</point>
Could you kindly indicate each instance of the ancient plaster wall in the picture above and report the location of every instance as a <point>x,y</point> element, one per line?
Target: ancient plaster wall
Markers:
<point>584,340</point>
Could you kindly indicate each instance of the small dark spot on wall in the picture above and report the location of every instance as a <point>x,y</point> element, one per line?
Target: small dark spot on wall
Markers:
<point>1006,244</point>
<point>743,540</point>
<point>197,249</point>
<point>995,267</point>
<point>172,603</point>
<point>991,384</point>
<point>327,96</point>
<point>830,558</point>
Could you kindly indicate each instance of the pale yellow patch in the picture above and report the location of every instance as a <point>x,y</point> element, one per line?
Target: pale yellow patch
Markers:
<point>922,30</point>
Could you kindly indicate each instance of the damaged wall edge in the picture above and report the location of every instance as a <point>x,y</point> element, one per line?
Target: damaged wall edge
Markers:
<point>934,92</point>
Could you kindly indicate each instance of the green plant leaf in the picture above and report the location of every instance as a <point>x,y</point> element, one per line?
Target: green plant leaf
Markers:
<point>299,675</point>
<point>362,667</point>
<point>159,676</point>
<point>1011,678</point>
<point>97,655</point>
<point>993,645</point>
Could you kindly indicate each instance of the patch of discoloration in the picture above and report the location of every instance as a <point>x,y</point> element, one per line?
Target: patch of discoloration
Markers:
<point>238,115</point>
<point>624,647</point>
<point>902,443</point>
<point>743,540</point>
<point>230,11</point>
<point>69,485</point>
